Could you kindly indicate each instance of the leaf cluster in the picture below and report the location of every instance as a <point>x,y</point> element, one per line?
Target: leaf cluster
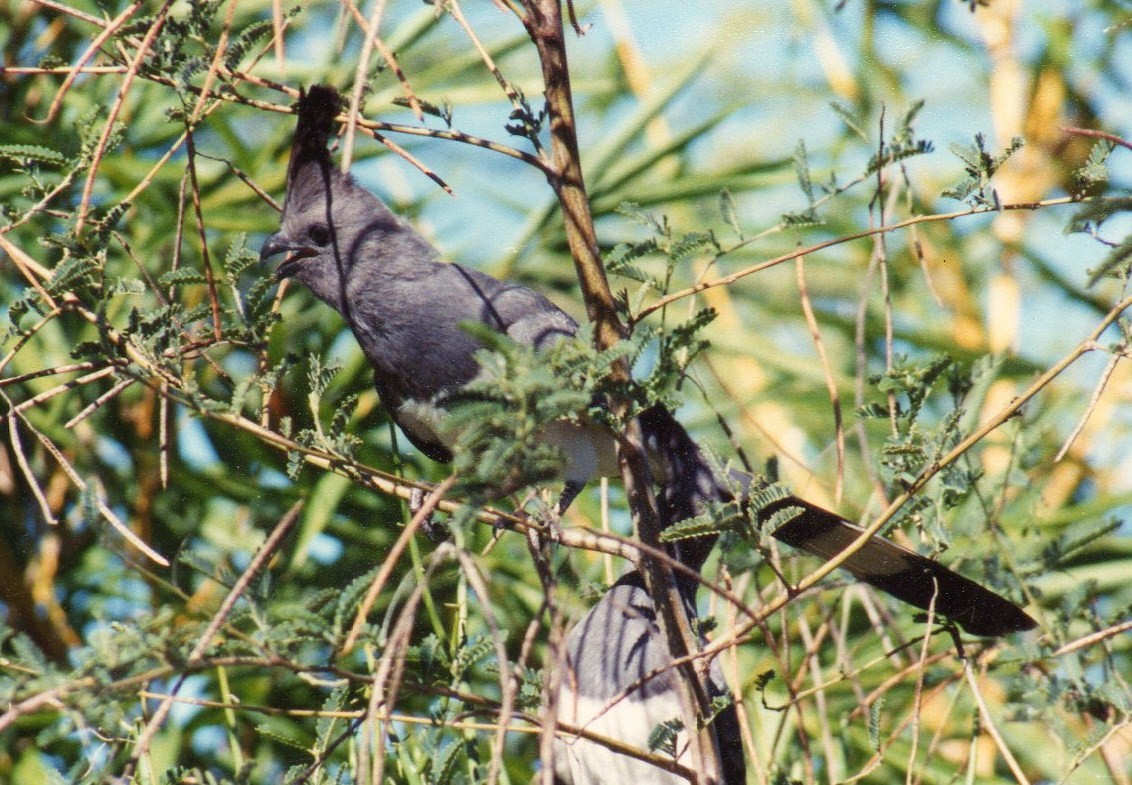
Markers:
<point>501,415</point>
<point>980,166</point>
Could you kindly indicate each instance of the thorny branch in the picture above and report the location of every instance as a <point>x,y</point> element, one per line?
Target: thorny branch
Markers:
<point>563,170</point>
<point>544,25</point>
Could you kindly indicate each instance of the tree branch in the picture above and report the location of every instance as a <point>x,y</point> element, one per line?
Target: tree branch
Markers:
<point>544,25</point>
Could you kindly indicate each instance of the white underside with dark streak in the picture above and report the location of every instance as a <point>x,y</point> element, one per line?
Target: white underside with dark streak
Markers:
<point>578,761</point>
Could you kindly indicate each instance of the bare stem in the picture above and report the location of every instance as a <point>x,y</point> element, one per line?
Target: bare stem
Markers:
<point>543,21</point>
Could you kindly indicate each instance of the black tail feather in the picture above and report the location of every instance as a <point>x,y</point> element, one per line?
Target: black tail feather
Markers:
<point>904,574</point>
<point>690,485</point>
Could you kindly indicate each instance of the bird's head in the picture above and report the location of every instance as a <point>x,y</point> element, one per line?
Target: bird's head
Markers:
<point>327,217</point>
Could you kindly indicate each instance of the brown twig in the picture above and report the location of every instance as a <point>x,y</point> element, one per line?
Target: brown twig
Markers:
<point>412,159</point>
<point>369,35</point>
<point>543,22</point>
<point>506,679</point>
<point>258,562</point>
<point>555,656</point>
<point>30,70</point>
<point>76,13</point>
<point>95,44</point>
<point>391,559</point>
<point>369,30</point>
<point>24,338</point>
<point>116,108</point>
<point>811,249</point>
<point>97,403</point>
<point>1094,399</point>
<point>25,467</point>
<point>100,503</point>
<point>387,682</point>
<point>214,66</point>
<point>509,90</point>
<point>51,392</point>
<point>827,372</point>
<point>1092,639</point>
<point>918,694</point>
<point>206,257</point>
<point>277,39</point>
<point>1118,140</point>
<point>988,722</point>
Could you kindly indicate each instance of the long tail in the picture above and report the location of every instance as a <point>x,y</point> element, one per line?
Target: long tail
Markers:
<point>690,485</point>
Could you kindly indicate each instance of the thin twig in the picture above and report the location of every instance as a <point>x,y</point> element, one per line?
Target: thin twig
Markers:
<point>823,714</point>
<point>95,44</point>
<point>1094,399</point>
<point>509,90</point>
<point>25,467</point>
<point>427,507</point>
<point>98,402</point>
<point>991,726</point>
<point>277,39</point>
<point>506,682</point>
<point>76,13</point>
<point>202,232</point>
<point>916,219</point>
<point>390,59</point>
<point>21,70</point>
<point>368,37</point>
<point>142,52</point>
<point>412,159</point>
<point>99,502</point>
<point>918,694</point>
<point>214,66</point>
<point>1098,135</point>
<point>555,656</point>
<point>50,393</point>
<point>827,371</point>
<point>265,552</point>
<point>163,442</point>
<point>386,684</point>
<point>897,732</point>
<point>1092,639</point>
<point>340,714</point>
<point>25,337</point>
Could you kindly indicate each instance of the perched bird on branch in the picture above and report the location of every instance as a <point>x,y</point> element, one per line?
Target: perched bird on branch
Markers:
<point>409,310</point>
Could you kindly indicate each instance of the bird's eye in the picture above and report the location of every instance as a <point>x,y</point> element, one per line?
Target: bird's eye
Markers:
<point>319,234</point>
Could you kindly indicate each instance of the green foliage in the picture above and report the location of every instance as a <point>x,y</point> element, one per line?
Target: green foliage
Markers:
<point>152,368</point>
<point>1094,172</point>
<point>722,517</point>
<point>807,217</point>
<point>676,250</point>
<point>24,155</point>
<point>1091,216</point>
<point>917,442</point>
<point>904,145</point>
<point>500,415</point>
<point>664,736</point>
<point>1116,264</point>
<point>980,166</point>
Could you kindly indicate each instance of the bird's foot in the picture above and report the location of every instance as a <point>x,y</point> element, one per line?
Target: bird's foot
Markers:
<point>436,532</point>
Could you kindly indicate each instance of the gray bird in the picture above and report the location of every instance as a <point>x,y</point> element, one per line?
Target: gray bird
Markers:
<point>405,307</point>
<point>618,645</point>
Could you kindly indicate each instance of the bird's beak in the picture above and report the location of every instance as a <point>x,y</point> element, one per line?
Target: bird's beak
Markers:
<point>278,243</point>
<point>273,246</point>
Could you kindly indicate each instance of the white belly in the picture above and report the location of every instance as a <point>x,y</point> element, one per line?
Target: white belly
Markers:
<point>579,761</point>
